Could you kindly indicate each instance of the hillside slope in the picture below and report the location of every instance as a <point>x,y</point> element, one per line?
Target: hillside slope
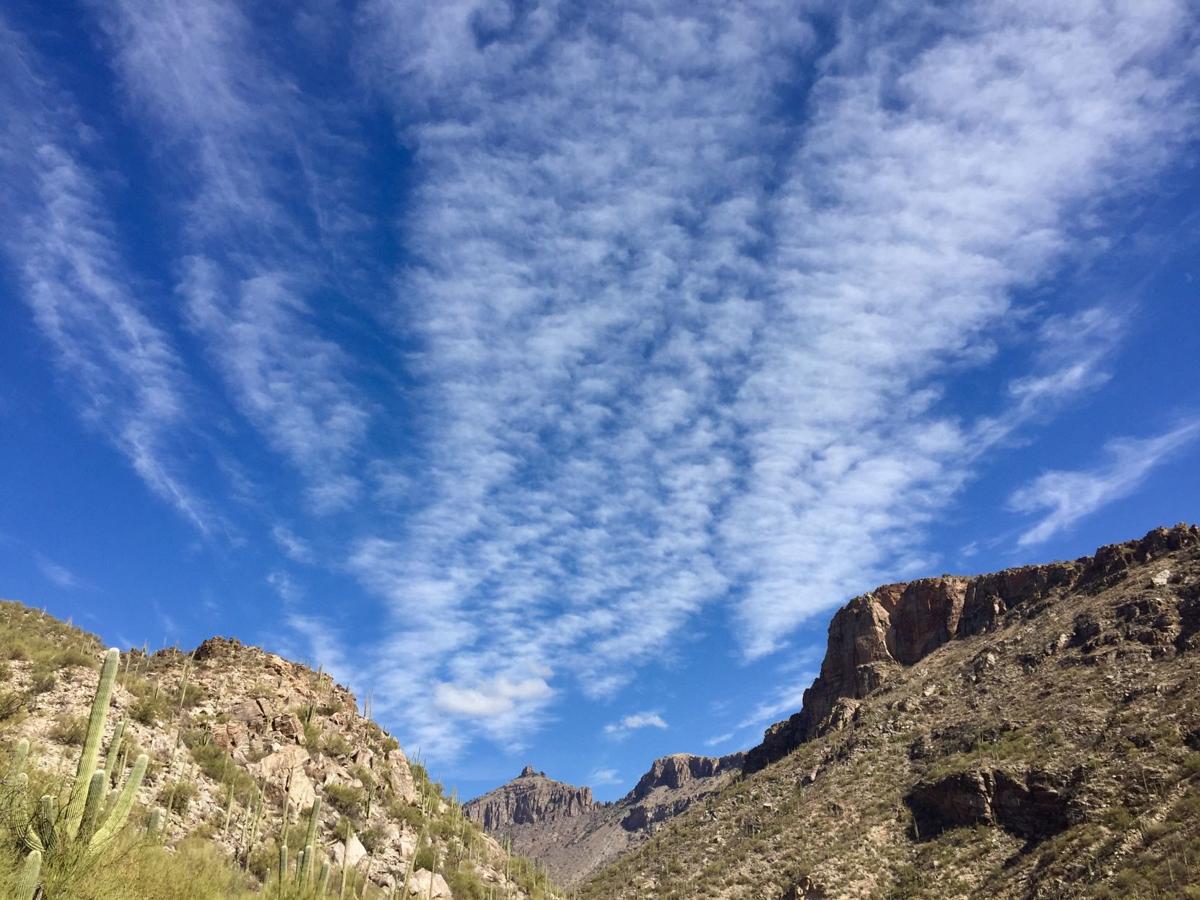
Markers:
<point>240,740</point>
<point>1029,734</point>
<point>561,827</point>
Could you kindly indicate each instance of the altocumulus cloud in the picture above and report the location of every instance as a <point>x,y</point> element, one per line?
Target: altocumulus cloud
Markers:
<point>683,339</point>
<point>684,293</point>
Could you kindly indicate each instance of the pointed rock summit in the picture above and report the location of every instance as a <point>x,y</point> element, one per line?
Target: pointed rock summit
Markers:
<point>572,835</point>
<point>529,799</point>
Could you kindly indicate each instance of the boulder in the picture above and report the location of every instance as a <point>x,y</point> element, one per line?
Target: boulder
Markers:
<point>289,726</point>
<point>286,768</point>
<point>427,884</point>
<point>349,853</point>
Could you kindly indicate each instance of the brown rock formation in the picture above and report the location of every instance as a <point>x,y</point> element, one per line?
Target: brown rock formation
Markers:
<point>679,769</point>
<point>529,799</point>
<point>564,829</point>
<point>1034,806</point>
<point>900,624</point>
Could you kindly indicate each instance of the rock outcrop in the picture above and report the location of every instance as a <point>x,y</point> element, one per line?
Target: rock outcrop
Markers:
<point>562,827</point>
<point>898,625</point>
<point>678,769</point>
<point>529,799</point>
<point>1034,806</point>
<point>247,735</point>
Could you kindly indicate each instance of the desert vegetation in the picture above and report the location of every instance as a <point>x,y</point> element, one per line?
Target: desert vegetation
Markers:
<point>134,798</point>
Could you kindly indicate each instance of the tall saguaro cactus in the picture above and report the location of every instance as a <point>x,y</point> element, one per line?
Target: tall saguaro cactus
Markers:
<point>91,743</point>
<point>90,819</point>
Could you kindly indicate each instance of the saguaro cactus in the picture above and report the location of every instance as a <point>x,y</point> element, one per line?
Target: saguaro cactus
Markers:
<point>27,880</point>
<point>90,818</point>
<point>310,840</point>
<point>119,814</point>
<point>91,743</point>
<point>112,757</point>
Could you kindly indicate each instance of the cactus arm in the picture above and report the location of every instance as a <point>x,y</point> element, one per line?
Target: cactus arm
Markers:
<point>310,841</point>
<point>41,832</point>
<point>95,799</point>
<point>91,744</point>
<point>155,823</point>
<point>20,754</point>
<point>120,811</point>
<point>31,870</point>
<point>114,747</point>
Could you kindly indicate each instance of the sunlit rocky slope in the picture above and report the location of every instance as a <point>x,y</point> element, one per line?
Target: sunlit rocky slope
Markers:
<point>1033,733</point>
<point>241,746</point>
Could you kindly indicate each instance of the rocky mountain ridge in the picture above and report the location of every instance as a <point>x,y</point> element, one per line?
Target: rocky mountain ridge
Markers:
<point>244,748</point>
<point>562,827</point>
<point>900,624</point>
<point>1031,733</point>
<point>529,799</point>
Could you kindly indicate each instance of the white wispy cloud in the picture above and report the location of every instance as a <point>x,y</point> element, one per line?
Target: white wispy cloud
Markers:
<point>252,265</point>
<point>285,586</point>
<point>626,725</point>
<point>783,702</point>
<point>57,573</point>
<point>294,547</point>
<point>672,334</point>
<point>327,649</point>
<point>604,777</point>
<point>928,187</point>
<point>495,699</point>
<point>1064,497</point>
<point>124,370</point>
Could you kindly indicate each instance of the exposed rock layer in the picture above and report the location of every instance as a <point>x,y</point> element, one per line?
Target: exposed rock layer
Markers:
<point>900,624</point>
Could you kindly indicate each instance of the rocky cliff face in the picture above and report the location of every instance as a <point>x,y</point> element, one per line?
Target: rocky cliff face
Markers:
<point>898,625</point>
<point>1032,733</point>
<point>564,829</point>
<point>529,799</point>
<point>675,771</point>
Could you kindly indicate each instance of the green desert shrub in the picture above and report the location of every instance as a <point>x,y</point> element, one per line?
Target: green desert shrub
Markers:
<point>68,730</point>
<point>336,745</point>
<point>177,795</point>
<point>149,709</point>
<point>345,798</point>
<point>11,704</point>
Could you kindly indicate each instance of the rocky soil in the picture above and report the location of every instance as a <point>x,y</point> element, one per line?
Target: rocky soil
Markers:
<point>1034,733</point>
<point>561,826</point>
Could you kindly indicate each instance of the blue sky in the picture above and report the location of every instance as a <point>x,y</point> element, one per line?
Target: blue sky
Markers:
<point>551,371</point>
